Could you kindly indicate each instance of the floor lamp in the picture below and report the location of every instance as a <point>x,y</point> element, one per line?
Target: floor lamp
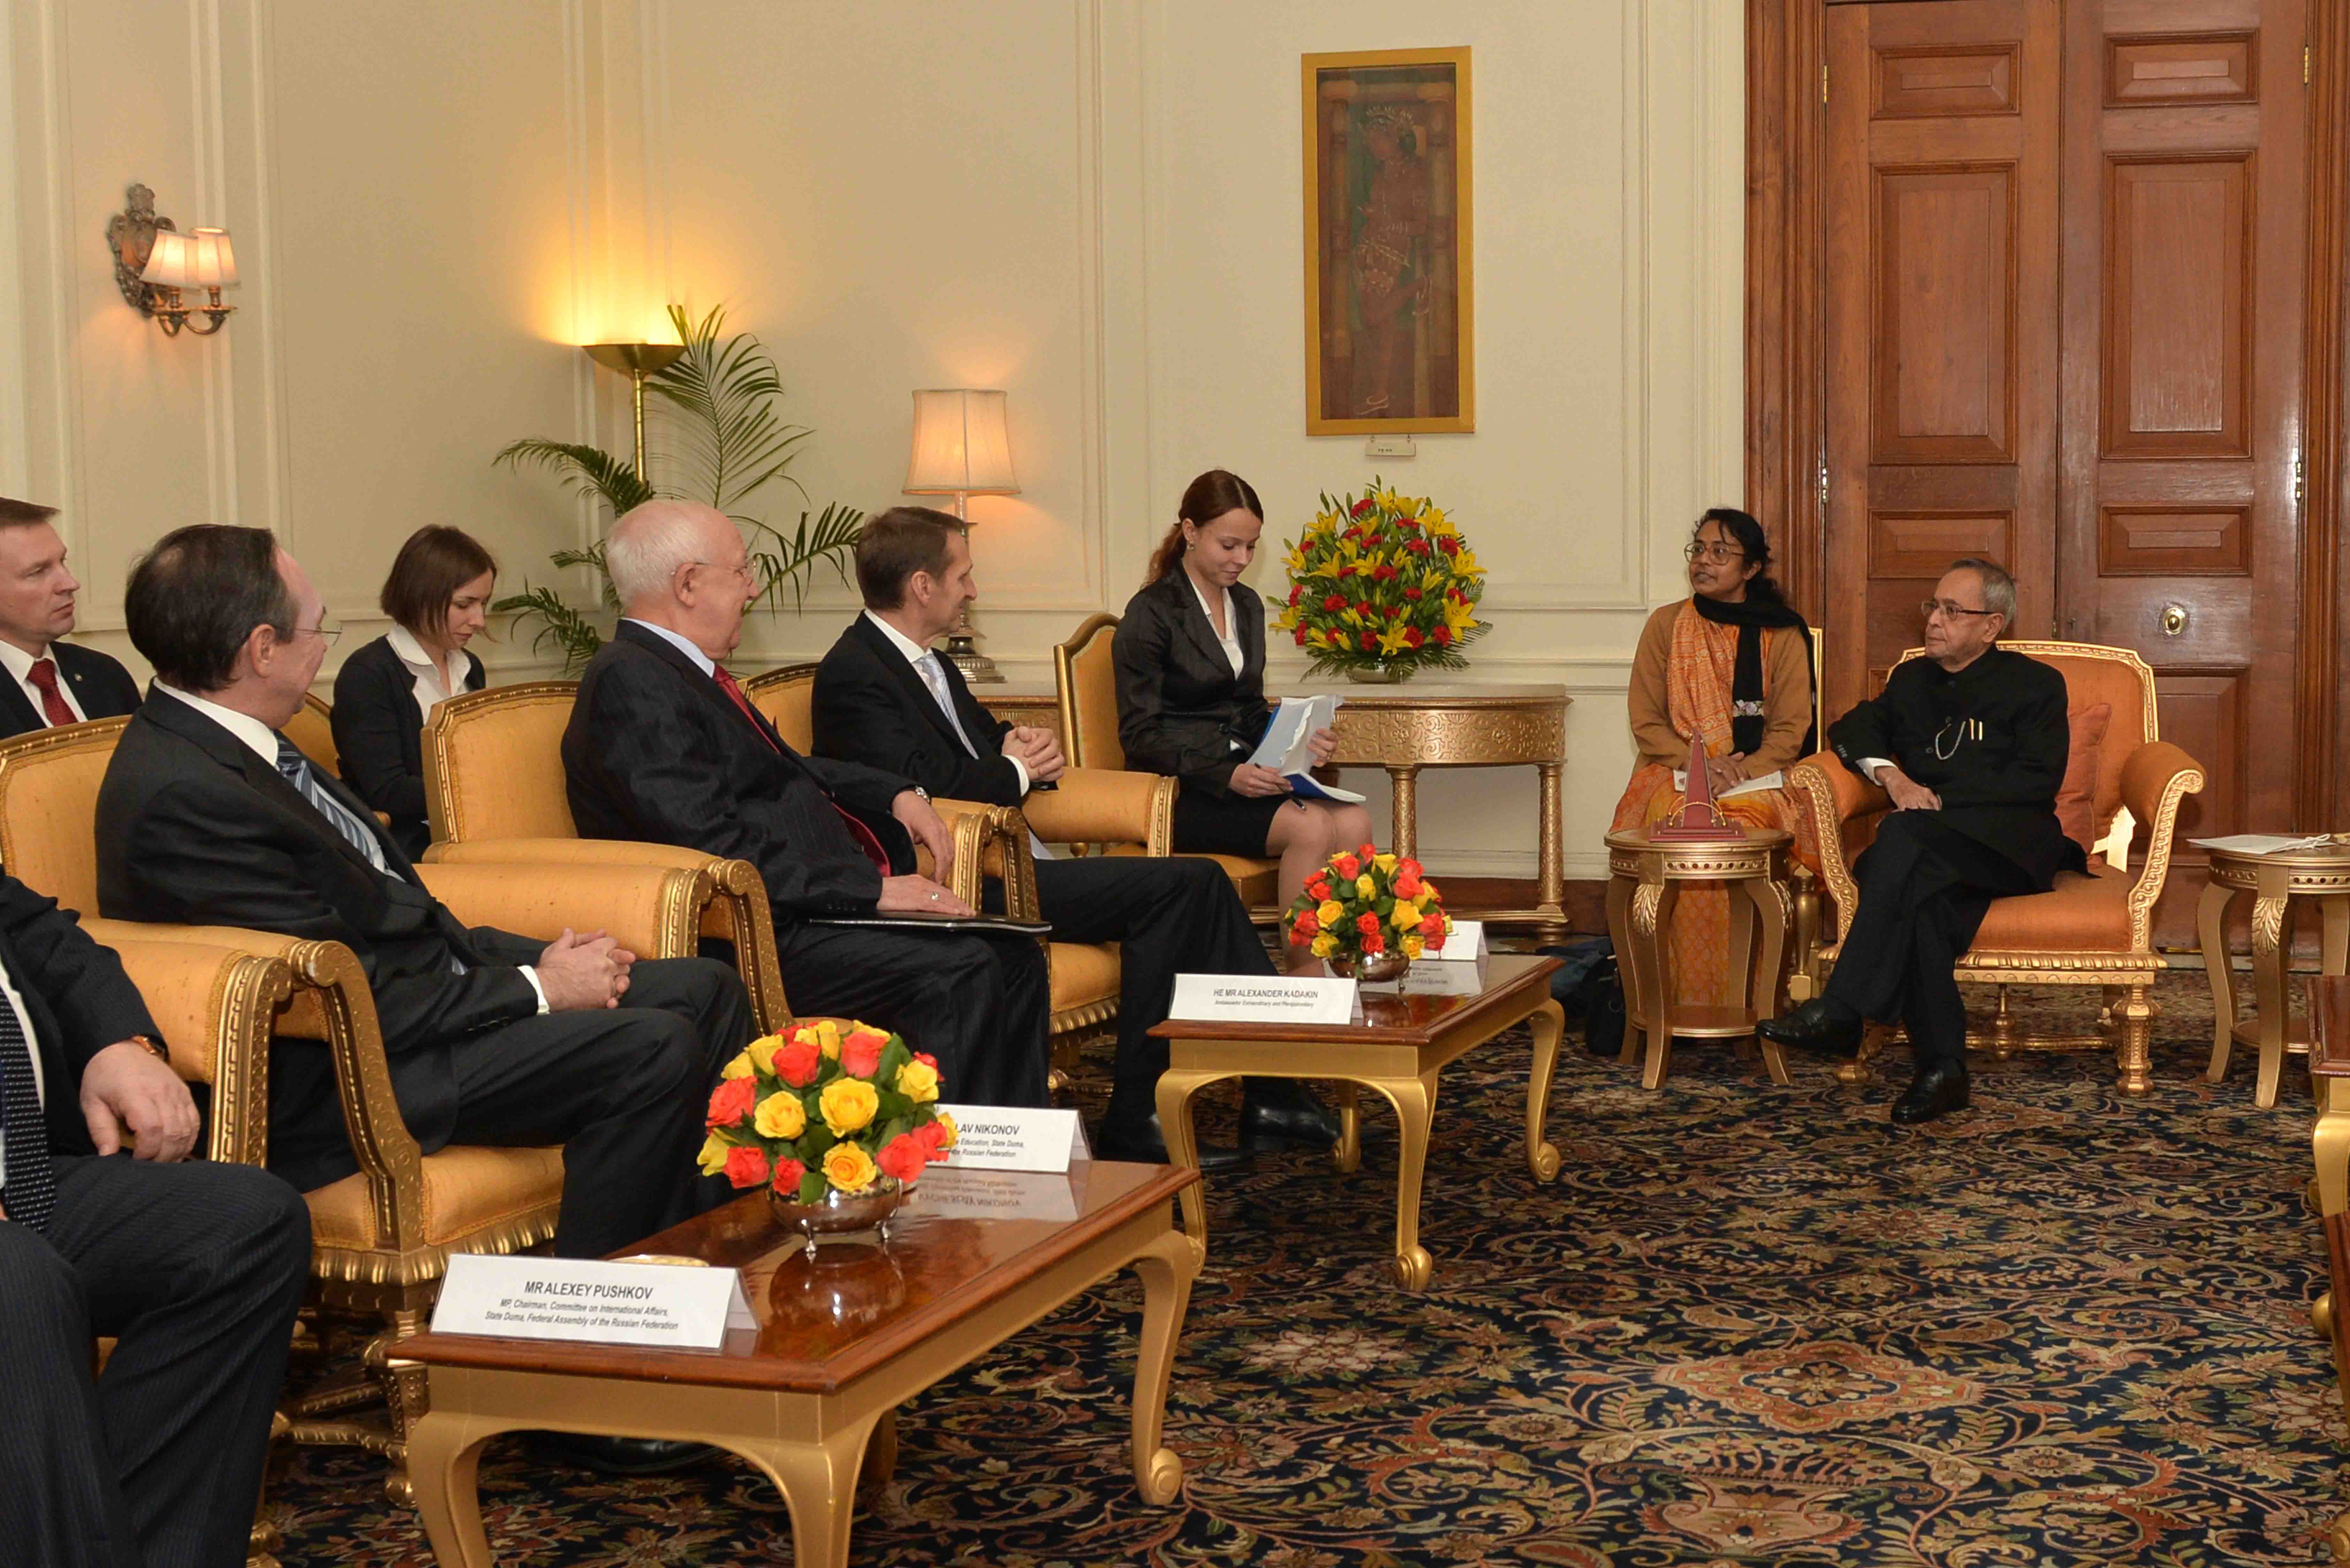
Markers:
<point>638,360</point>
<point>962,449</point>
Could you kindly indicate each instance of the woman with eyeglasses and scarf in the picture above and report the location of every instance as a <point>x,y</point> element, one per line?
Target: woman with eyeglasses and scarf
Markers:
<point>1733,663</point>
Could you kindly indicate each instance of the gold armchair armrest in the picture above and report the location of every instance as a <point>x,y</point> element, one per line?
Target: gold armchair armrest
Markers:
<point>1837,798</point>
<point>2155,778</point>
<point>215,1005</point>
<point>654,911</point>
<point>1106,805</point>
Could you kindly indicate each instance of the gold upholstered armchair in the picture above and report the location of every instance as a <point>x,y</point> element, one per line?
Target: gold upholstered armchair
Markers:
<point>1089,807</point>
<point>2094,927</point>
<point>381,1238</point>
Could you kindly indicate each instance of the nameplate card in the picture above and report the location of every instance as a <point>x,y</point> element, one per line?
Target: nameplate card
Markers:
<point>974,1194</point>
<point>1427,978</point>
<point>1015,1137</point>
<point>677,1306</point>
<point>1464,943</point>
<point>1262,999</point>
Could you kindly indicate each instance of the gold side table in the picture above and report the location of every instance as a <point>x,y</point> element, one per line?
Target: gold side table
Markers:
<point>1643,885</point>
<point>2321,873</point>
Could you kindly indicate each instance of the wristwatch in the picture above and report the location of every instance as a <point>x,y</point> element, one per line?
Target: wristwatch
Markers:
<point>920,791</point>
<point>154,1049</point>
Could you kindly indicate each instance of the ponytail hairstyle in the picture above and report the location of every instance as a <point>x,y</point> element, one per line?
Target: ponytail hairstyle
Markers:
<point>1205,499</point>
<point>1747,534</point>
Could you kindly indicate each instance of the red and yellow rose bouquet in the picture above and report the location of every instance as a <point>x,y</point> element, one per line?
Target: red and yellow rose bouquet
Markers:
<point>829,1106</point>
<point>1364,905</point>
<point>1383,582</point>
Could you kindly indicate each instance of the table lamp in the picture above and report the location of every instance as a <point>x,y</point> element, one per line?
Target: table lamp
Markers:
<point>962,449</point>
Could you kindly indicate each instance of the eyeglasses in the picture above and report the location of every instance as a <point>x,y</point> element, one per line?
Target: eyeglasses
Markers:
<point>325,630</point>
<point>742,571</point>
<point>1699,551</point>
<point>1928,606</point>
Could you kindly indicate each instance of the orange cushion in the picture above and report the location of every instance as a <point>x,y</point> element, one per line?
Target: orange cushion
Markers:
<point>2083,914</point>
<point>2076,807</point>
<point>468,1188</point>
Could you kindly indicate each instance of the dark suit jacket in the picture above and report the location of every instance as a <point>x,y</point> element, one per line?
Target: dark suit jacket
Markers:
<point>1180,706</point>
<point>100,683</point>
<point>77,1001</point>
<point>194,827</point>
<point>380,737</point>
<point>655,751</point>
<point>872,707</point>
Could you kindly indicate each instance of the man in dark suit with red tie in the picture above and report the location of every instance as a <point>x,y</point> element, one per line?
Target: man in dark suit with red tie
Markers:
<point>663,747</point>
<point>50,682</point>
<point>196,1268</point>
<point>885,698</point>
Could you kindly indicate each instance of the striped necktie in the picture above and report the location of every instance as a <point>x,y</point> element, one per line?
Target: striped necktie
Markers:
<point>31,1192</point>
<point>299,774</point>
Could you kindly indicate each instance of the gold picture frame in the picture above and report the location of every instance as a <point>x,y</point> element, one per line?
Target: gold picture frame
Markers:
<point>1390,339</point>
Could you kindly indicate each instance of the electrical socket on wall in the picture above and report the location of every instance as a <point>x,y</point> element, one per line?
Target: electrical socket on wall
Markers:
<point>1389,446</point>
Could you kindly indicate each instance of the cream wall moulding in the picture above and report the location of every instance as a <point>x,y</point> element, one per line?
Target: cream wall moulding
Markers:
<point>962,448</point>
<point>153,261</point>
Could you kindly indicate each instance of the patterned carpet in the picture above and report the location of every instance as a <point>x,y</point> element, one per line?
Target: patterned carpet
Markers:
<point>1746,1324</point>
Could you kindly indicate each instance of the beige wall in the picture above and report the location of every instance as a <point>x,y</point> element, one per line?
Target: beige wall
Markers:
<point>1093,203</point>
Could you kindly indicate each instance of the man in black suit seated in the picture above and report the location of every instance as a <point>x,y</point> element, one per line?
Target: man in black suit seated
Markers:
<point>663,747</point>
<point>197,1268</point>
<point>49,683</point>
<point>884,698</point>
<point>209,816</point>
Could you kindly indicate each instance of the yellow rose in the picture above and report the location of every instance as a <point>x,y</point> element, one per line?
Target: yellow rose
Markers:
<point>1385,863</point>
<point>1411,946</point>
<point>712,1157</point>
<point>1405,916</point>
<point>1330,913</point>
<point>1365,887</point>
<point>1325,945</point>
<point>827,1037</point>
<point>780,1115</point>
<point>947,1139</point>
<point>740,1067</point>
<point>847,1104</point>
<point>918,1082</point>
<point>847,1167</point>
<point>762,1052</point>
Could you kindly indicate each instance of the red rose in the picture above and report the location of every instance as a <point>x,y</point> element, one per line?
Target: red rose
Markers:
<point>1431,925</point>
<point>1383,572</point>
<point>1408,866</point>
<point>1448,546</point>
<point>1306,923</point>
<point>1363,507</point>
<point>1412,594</point>
<point>1367,923</point>
<point>1348,867</point>
<point>1348,570</point>
<point>1366,851</point>
<point>1407,884</point>
<point>1319,888</point>
<point>927,1060</point>
<point>1362,607</point>
<point>731,1101</point>
<point>1297,592</point>
<point>860,1053</point>
<point>1375,944</point>
<point>1414,637</point>
<point>1299,939</point>
<point>746,1166</point>
<point>1335,603</point>
<point>1440,636</point>
<point>787,1179</point>
<point>1418,547</point>
<point>798,1061</point>
<point>1301,637</point>
<point>903,1157</point>
<point>1370,639</point>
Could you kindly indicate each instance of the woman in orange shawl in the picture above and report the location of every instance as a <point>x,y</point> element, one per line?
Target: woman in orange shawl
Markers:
<point>1733,662</point>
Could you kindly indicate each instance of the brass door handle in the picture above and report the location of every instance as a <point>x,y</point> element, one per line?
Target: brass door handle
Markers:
<point>2174,620</point>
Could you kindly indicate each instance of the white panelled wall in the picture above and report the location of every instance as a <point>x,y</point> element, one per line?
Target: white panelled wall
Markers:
<point>1094,204</point>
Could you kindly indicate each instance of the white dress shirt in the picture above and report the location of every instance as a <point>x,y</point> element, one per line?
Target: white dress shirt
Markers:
<point>1229,640</point>
<point>20,664</point>
<point>262,741</point>
<point>32,1048</point>
<point>435,685</point>
<point>701,660</point>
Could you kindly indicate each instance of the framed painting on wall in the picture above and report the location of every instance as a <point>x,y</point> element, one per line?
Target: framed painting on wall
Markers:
<point>1389,337</point>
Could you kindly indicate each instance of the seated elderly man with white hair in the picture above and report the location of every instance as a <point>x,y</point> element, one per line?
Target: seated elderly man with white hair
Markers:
<point>664,747</point>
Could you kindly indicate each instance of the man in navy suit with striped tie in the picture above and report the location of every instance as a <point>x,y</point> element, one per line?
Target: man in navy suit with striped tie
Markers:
<point>196,1268</point>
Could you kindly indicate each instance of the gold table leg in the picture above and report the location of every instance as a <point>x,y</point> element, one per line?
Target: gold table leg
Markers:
<point>1176,1087</point>
<point>2268,925</point>
<point>1768,896</point>
<point>1414,1100</point>
<point>1166,1268</point>
<point>1652,925</point>
<point>818,1481</point>
<point>1550,891</point>
<point>1404,778</point>
<point>1347,1154</point>
<point>2211,930</point>
<point>1628,965</point>
<point>1549,1023</point>
<point>2337,953</point>
<point>444,1458</point>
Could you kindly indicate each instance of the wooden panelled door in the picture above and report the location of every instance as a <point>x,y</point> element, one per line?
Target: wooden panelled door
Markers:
<point>2064,295</point>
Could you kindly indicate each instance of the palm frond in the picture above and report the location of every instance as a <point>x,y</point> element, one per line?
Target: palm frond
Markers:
<point>557,622</point>
<point>733,439</point>
<point>582,467</point>
<point>593,556</point>
<point>830,537</point>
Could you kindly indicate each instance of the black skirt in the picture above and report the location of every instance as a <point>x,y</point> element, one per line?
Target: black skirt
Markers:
<point>1223,823</point>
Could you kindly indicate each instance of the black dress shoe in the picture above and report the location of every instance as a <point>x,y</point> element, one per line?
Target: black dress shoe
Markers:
<point>1813,1027</point>
<point>621,1456</point>
<point>1298,1121</point>
<point>1144,1142</point>
<point>1936,1090</point>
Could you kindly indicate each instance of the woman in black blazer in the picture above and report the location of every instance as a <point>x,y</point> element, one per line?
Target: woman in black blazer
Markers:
<point>1190,693</point>
<point>438,596</point>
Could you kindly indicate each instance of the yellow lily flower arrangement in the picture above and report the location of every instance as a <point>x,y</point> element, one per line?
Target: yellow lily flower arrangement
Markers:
<point>1383,582</point>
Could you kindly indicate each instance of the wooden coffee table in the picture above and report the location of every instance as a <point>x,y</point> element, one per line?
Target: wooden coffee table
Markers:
<point>810,1397</point>
<point>1396,1047</point>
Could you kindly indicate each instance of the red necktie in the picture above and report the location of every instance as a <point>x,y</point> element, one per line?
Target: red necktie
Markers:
<point>857,829</point>
<point>43,674</point>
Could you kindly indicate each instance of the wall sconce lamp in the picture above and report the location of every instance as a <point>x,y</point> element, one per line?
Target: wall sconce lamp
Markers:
<point>153,261</point>
<point>962,449</point>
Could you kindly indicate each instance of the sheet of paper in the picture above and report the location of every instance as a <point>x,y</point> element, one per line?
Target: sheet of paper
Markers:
<point>1262,999</point>
<point>2262,843</point>
<point>1015,1137</point>
<point>1284,748</point>
<point>675,1306</point>
<point>1464,943</point>
<point>1772,779</point>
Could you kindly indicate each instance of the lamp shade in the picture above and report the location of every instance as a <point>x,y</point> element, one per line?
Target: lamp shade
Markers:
<point>212,259</point>
<point>960,445</point>
<point>170,264</point>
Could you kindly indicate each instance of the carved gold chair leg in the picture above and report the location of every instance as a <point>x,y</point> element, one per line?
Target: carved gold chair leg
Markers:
<point>1804,979</point>
<point>2134,1051</point>
<point>1862,1068</point>
<point>262,1543</point>
<point>2006,1034</point>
